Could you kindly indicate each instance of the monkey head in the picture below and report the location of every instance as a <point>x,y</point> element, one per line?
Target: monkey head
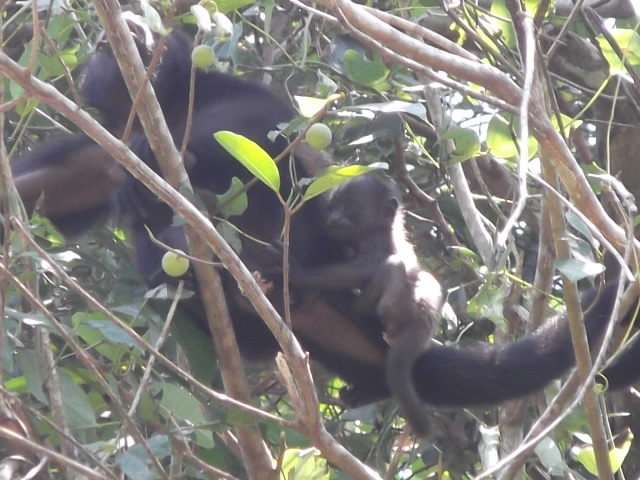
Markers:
<point>361,206</point>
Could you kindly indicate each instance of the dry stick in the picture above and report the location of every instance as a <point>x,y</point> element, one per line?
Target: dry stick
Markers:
<point>331,449</point>
<point>54,390</point>
<point>578,334</point>
<point>179,443</point>
<point>89,364</point>
<point>390,56</point>
<point>406,437</point>
<point>545,268</point>
<point>417,30</point>
<point>52,454</point>
<point>555,411</point>
<point>158,345</point>
<point>523,160</point>
<point>153,64</point>
<point>72,440</point>
<point>471,215</point>
<point>255,454</point>
<point>191,102</point>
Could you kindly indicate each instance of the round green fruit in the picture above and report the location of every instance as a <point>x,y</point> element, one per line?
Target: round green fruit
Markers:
<point>203,56</point>
<point>175,265</point>
<point>318,136</point>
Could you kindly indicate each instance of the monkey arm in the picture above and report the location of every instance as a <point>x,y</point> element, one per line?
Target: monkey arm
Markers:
<point>332,277</point>
<point>486,374</point>
<point>355,272</point>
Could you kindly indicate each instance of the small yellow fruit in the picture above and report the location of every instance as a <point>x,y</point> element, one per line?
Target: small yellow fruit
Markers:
<point>318,136</point>
<point>203,56</point>
<point>175,265</point>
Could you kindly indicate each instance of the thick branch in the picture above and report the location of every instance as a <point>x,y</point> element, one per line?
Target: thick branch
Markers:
<point>255,453</point>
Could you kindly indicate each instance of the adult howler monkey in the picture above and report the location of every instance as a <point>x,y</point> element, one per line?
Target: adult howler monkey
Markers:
<point>351,344</point>
<point>56,172</point>
<point>365,217</point>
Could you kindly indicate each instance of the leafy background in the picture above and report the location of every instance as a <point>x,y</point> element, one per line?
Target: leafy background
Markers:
<point>387,112</point>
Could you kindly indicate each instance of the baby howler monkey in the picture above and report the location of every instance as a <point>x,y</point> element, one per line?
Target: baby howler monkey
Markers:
<point>366,216</point>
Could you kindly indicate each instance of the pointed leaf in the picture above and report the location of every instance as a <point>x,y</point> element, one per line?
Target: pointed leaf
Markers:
<point>332,177</point>
<point>238,205</point>
<point>252,156</point>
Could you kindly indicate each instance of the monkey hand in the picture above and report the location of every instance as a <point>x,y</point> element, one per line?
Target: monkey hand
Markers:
<point>276,268</point>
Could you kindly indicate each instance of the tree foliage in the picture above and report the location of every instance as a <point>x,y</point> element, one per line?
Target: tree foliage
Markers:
<point>505,123</point>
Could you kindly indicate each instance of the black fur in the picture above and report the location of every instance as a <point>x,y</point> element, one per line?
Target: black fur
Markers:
<point>350,345</point>
<point>522,367</point>
<point>223,102</point>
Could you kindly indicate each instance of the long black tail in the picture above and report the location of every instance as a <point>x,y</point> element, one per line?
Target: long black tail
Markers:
<point>623,370</point>
<point>488,374</point>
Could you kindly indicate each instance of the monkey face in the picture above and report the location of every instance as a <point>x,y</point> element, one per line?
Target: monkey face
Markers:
<point>360,207</point>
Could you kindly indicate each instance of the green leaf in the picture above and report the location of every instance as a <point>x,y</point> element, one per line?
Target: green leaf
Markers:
<point>60,27</point>
<point>499,11</point>
<point>618,454</point>
<point>332,177</point>
<point>532,7</point>
<point>307,464</point>
<point>252,156</point>
<point>152,18</point>
<point>466,141</point>
<point>585,455</point>
<point>34,375</point>
<point>135,462</point>
<point>182,405</point>
<point>113,333</point>
<point>196,346</point>
<point>17,385</point>
<point>361,70</point>
<point>587,458</point>
<point>550,456</point>
<point>102,334</point>
<point>629,43</point>
<point>238,205</point>
<point>226,6</point>
<point>502,136</point>
<point>134,467</point>
<point>576,270</point>
<point>231,236</point>
<point>393,106</point>
<point>309,106</point>
<point>567,122</point>
<point>203,18</point>
<point>489,303</point>
<point>76,402</point>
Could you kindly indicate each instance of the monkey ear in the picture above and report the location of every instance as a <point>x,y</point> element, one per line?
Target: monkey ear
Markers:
<point>391,208</point>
